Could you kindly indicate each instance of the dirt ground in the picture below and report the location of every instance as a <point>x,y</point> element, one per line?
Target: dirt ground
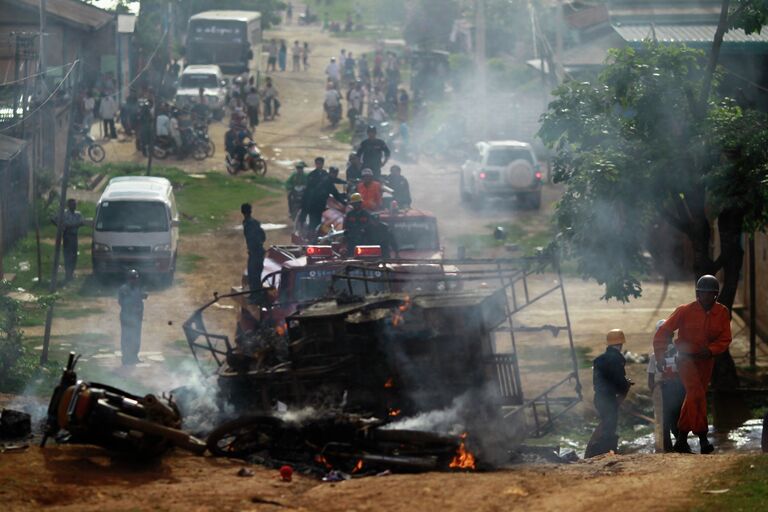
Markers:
<point>85,478</point>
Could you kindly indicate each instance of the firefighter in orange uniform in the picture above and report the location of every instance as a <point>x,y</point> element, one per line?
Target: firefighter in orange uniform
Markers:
<point>703,332</point>
<point>370,190</point>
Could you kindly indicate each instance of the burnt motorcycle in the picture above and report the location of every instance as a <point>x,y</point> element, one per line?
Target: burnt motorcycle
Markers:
<point>92,413</point>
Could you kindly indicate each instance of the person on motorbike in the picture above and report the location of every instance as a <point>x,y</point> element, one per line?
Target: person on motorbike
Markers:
<point>200,108</point>
<point>296,185</point>
<point>332,103</point>
<point>235,144</point>
<point>333,174</point>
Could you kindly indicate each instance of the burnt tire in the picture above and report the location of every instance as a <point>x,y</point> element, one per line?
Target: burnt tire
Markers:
<point>244,436</point>
<point>96,153</point>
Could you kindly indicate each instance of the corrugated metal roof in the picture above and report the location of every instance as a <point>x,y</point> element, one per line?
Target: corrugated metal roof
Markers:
<point>72,11</point>
<point>685,34</point>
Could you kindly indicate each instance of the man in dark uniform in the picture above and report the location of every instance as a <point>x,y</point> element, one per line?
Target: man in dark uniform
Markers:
<point>357,224</point>
<point>72,222</point>
<point>354,168</point>
<point>611,387</point>
<point>320,185</point>
<point>401,191</point>
<point>382,236</point>
<point>373,152</point>
<point>254,241</point>
<point>131,297</point>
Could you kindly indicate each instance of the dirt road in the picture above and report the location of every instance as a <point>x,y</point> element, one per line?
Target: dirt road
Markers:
<point>82,478</point>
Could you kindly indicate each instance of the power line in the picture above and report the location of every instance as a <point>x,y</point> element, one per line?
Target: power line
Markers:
<point>34,75</point>
<point>41,105</point>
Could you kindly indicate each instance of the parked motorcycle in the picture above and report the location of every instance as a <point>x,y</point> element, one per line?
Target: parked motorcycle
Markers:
<point>200,131</point>
<point>252,161</point>
<point>85,144</point>
<point>166,146</point>
<point>93,413</point>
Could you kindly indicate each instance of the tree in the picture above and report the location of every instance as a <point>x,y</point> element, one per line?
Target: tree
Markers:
<point>429,23</point>
<point>638,145</point>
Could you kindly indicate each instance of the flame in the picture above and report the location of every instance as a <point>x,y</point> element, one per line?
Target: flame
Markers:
<point>406,305</point>
<point>280,329</point>
<point>322,460</point>
<point>358,466</point>
<point>464,458</point>
<point>390,383</point>
<point>397,318</point>
<point>394,412</point>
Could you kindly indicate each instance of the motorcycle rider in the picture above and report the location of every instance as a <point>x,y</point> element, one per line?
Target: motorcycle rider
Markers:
<point>374,152</point>
<point>332,104</point>
<point>357,224</point>
<point>296,184</point>
<point>234,143</point>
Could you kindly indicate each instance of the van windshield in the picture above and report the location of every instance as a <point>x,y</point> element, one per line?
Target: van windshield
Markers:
<point>132,217</point>
<point>197,80</point>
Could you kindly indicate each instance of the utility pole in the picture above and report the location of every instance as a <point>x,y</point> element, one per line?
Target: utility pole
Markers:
<point>480,62</point>
<point>41,119</point>
<point>559,22</point>
<point>60,221</point>
<point>41,41</point>
<point>752,304</point>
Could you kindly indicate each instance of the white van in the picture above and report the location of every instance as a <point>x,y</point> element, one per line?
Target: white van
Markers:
<point>136,227</point>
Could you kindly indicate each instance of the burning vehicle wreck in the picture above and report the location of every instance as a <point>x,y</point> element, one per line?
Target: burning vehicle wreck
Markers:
<point>363,364</point>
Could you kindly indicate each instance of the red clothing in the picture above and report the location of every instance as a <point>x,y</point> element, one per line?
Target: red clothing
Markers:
<point>371,195</point>
<point>697,329</point>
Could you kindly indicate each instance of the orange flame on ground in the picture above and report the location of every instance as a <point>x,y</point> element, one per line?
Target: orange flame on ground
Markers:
<point>397,318</point>
<point>464,458</point>
<point>358,466</point>
<point>280,329</point>
<point>394,412</point>
<point>389,383</point>
<point>322,460</point>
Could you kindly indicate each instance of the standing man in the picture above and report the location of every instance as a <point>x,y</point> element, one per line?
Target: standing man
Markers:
<point>401,191</point>
<point>107,110</point>
<point>703,332</point>
<point>131,297</point>
<point>296,56</point>
<point>272,56</point>
<point>254,241</point>
<point>611,387</point>
<point>332,72</point>
<point>296,185</point>
<point>357,224</point>
<point>354,170</point>
<point>668,394</point>
<point>373,152</point>
<point>73,219</point>
<point>252,100</point>
<point>319,187</point>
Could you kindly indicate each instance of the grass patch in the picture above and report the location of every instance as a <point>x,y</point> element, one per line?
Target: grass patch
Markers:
<point>548,358</point>
<point>343,134</point>
<point>188,262</point>
<point>746,482</point>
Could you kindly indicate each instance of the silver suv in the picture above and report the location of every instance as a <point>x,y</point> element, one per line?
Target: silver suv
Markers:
<point>210,79</point>
<point>502,168</point>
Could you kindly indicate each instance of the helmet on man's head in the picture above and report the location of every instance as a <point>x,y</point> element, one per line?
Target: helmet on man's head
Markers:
<point>133,274</point>
<point>615,337</point>
<point>708,283</point>
<point>355,198</point>
<point>300,164</point>
<point>371,128</point>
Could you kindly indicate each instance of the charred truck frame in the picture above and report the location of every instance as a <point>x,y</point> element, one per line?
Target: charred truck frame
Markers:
<point>396,354</point>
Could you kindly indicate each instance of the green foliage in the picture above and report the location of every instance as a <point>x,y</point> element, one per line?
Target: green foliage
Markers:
<point>751,15</point>
<point>636,147</point>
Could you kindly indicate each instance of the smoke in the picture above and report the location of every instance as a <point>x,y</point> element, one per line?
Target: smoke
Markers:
<point>445,421</point>
<point>198,398</point>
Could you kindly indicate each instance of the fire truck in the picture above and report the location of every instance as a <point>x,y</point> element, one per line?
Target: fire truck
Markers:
<point>415,231</point>
<point>300,274</point>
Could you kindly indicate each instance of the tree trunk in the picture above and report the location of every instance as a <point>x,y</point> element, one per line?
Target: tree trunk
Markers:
<point>714,54</point>
<point>729,223</point>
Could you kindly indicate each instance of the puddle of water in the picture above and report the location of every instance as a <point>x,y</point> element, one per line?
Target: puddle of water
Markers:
<point>266,226</point>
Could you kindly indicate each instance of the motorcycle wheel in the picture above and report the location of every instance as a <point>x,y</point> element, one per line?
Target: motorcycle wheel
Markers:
<point>199,152</point>
<point>244,436</point>
<point>159,153</point>
<point>210,149</point>
<point>96,153</point>
<point>260,168</point>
